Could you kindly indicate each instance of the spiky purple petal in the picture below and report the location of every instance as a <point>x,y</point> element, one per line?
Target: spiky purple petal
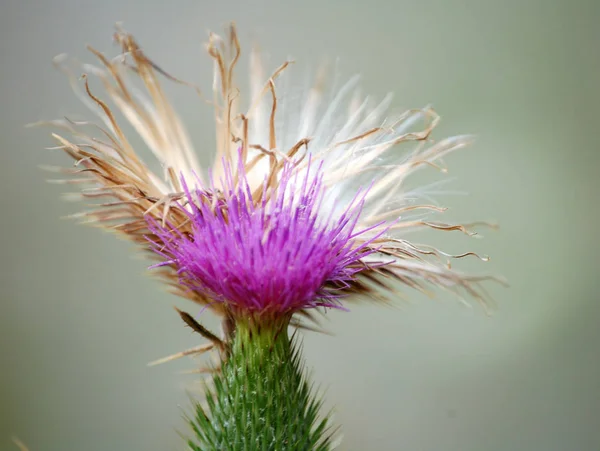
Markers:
<point>278,255</point>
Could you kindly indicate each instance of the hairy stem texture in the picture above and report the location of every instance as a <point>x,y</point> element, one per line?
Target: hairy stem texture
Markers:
<point>261,399</point>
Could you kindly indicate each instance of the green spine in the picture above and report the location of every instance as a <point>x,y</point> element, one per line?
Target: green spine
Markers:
<point>261,399</point>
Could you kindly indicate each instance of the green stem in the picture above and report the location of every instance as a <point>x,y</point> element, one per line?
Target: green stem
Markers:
<point>261,399</point>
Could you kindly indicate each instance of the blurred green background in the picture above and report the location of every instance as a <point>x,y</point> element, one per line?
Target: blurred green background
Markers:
<point>79,319</point>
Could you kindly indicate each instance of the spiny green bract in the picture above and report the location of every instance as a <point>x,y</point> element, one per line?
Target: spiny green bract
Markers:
<point>261,399</point>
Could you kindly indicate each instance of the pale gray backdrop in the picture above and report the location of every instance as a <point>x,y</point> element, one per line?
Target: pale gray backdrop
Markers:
<point>79,319</point>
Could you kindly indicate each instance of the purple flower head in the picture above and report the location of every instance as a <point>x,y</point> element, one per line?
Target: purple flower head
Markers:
<point>266,234</point>
<point>274,251</point>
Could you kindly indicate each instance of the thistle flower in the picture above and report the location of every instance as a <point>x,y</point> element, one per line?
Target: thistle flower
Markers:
<point>273,256</point>
<point>304,207</point>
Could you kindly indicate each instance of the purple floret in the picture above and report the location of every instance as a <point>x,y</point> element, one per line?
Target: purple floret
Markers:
<point>277,255</point>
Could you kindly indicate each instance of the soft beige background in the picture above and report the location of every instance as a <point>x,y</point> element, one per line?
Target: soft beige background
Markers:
<point>79,319</point>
